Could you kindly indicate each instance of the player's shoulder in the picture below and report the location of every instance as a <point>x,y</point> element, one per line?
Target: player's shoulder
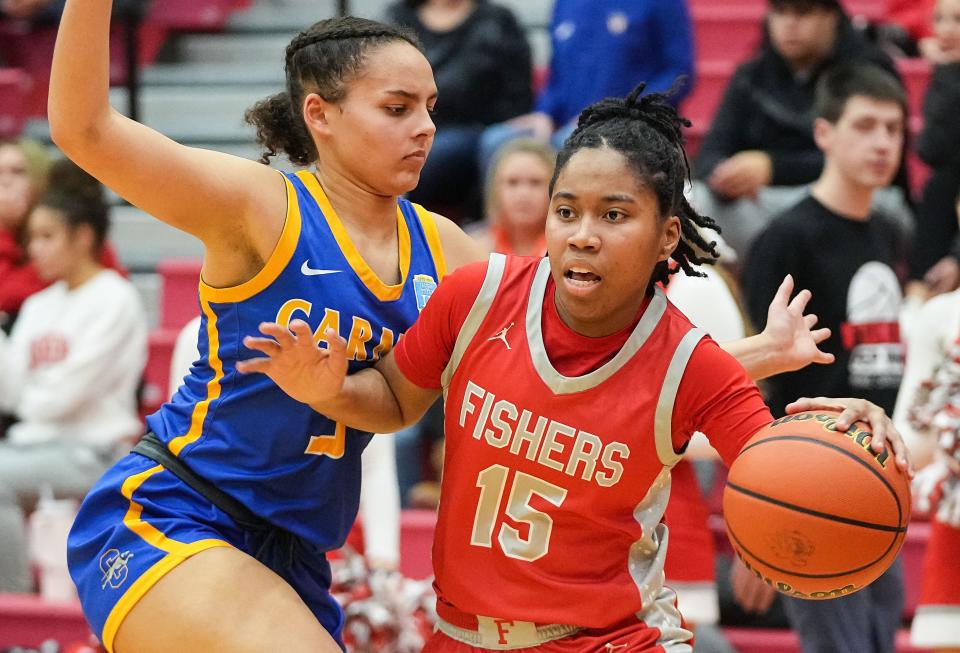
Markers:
<point>501,269</point>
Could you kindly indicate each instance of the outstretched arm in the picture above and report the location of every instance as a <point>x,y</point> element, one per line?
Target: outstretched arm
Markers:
<point>789,340</point>
<point>235,206</point>
<point>379,399</point>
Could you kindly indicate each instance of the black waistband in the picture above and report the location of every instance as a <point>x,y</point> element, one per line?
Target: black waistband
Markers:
<point>268,535</point>
<point>151,447</point>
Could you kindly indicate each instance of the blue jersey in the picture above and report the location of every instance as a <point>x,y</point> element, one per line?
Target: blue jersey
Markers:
<point>287,463</point>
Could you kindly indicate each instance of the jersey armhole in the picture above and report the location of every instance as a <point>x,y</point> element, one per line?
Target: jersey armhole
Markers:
<point>663,420</point>
<point>481,305</point>
<point>429,224</point>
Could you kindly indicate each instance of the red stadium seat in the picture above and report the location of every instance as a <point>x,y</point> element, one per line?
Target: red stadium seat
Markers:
<point>724,32</point>
<point>764,640</point>
<point>731,30</point>
<point>28,620</point>
<point>711,82</point>
<point>872,9</point>
<point>156,374</point>
<point>191,14</point>
<point>416,542</point>
<point>15,88</point>
<point>916,77</point>
<point>178,292</point>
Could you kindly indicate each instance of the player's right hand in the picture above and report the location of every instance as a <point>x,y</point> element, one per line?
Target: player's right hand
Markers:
<point>295,363</point>
<point>751,594</point>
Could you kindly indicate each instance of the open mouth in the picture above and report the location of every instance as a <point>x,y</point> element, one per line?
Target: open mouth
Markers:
<point>581,277</point>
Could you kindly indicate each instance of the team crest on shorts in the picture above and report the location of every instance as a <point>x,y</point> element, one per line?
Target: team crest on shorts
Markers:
<point>423,287</point>
<point>113,565</point>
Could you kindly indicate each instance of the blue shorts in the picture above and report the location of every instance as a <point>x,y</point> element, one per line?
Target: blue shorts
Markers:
<point>140,521</point>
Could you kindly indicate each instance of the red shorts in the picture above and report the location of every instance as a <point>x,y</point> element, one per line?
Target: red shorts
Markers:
<point>634,637</point>
<point>937,621</point>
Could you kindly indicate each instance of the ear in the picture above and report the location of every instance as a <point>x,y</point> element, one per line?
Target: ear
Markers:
<point>670,237</point>
<point>823,133</point>
<point>316,114</point>
<point>84,238</point>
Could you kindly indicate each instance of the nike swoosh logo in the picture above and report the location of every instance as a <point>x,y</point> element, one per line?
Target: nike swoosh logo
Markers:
<point>309,271</point>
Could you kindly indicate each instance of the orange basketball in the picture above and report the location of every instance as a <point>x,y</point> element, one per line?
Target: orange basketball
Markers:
<point>813,511</point>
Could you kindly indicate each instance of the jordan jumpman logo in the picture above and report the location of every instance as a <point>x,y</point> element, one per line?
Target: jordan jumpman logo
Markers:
<point>503,335</point>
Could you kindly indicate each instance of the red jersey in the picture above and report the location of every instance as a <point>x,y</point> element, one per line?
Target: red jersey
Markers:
<point>559,447</point>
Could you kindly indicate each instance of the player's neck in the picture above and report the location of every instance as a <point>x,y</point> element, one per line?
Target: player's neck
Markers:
<point>358,208</point>
<point>851,201</point>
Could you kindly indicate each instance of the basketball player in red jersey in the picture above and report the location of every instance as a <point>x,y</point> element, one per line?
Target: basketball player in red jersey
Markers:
<point>572,387</point>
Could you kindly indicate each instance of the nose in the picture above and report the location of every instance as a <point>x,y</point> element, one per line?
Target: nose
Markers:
<point>885,139</point>
<point>426,126</point>
<point>585,235</point>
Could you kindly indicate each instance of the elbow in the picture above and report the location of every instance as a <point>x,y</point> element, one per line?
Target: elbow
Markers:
<point>72,134</point>
<point>65,136</point>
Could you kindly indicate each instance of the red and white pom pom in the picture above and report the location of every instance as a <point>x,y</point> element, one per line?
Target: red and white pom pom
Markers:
<point>385,612</point>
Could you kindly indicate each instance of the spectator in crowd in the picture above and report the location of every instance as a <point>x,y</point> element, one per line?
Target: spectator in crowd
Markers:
<point>933,260</point>
<point>24,167</point>
<point>38,12</point>
<point>482,64</point>
<point>835,245</point>
<point>905,29</point>
<point>516,199</point>
<point>70,368</point>
<point>759,152</point>
<point>23,178</point>
<point>601,49</point>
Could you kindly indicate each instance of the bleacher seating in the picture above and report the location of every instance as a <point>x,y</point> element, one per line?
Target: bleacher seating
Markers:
<point>15,87</point>
<point>178,291</point>
<point>28,620</point>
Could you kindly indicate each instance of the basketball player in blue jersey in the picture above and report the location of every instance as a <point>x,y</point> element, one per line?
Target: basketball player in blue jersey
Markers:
<point>211,537</point>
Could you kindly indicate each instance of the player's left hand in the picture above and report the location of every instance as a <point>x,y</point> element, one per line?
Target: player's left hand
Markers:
<point>305,372</point>
<point>885,434</point>
<point>791,333</point>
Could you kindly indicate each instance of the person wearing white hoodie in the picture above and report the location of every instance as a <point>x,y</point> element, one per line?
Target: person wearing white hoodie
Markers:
<point>70,368</point>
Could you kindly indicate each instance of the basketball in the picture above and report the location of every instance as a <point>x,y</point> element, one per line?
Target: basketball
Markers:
<point>814,511</point>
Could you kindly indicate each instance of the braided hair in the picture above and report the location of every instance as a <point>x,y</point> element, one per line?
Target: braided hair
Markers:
<point>322,59</point>
<point>646,130</point>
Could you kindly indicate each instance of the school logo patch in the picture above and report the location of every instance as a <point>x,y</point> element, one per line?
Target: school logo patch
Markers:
<point>113,565</point>
<point>423,287</point>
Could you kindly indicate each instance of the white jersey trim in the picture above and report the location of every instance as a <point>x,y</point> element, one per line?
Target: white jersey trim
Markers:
<point>663,615</point>
<point>556,381</point>
<point>663,422</point>
<point>481,305</point>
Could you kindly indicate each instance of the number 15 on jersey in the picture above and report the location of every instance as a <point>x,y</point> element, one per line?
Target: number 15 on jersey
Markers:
<point>492,482</point>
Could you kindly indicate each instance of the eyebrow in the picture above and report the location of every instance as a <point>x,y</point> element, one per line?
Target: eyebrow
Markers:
<point>408,95</point>
<point>566,195</point>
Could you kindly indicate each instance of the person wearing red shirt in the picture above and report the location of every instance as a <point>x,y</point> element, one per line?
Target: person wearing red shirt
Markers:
<point>572,387</point>
<point>24,167</point>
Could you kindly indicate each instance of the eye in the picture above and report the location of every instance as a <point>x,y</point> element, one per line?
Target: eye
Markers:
<point>615,215</point>
<point>396,109</point>
<point>564,212</point>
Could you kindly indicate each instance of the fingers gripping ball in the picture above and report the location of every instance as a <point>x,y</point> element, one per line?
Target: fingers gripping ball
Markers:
<point>813,511</point>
